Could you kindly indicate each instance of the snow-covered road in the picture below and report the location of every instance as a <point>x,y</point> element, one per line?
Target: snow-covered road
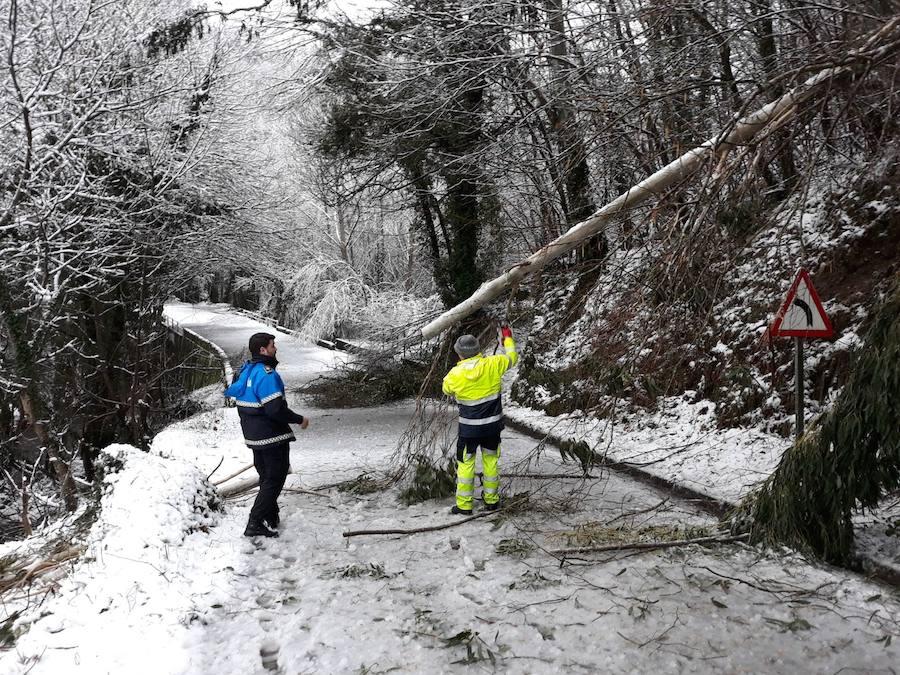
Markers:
<point>339,443</point>
<point>168,588</point>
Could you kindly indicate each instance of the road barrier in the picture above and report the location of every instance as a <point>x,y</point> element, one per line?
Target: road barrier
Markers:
<point>209,348</point>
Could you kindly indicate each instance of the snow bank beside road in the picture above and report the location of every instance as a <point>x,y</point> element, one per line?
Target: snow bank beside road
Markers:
<point>680,443</point>
<point>192,501</point>
<point>139,561</point>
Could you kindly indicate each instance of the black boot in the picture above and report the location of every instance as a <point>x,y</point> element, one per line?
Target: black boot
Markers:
<point>272,521</point>
<point>456,511</point>
<point>257,529</point>
<point>491,507</point>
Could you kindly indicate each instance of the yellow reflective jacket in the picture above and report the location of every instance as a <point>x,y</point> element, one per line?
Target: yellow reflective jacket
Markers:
<point>475,385</point>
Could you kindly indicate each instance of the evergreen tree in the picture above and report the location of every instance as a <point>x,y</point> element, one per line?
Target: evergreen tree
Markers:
<point>410,105</point>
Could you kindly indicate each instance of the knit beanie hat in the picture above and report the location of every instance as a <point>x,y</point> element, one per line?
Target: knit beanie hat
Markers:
<point>467,346</point>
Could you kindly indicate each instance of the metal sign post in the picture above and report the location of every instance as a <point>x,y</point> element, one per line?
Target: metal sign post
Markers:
<point>798,386</point>
<point>801,316</point>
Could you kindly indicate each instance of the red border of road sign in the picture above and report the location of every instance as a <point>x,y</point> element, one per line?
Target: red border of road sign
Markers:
<point>776,325</point>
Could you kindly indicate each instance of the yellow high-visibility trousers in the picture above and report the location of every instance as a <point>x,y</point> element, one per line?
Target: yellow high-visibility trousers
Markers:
<point>490,460</point>
<point>466,449</point>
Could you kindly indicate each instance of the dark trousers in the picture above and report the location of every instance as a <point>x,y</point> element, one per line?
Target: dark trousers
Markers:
<point>272,465</point>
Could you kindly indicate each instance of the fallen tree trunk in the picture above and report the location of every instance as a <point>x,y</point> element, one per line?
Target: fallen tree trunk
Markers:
<point>772,115</point>
<point>237,487</point>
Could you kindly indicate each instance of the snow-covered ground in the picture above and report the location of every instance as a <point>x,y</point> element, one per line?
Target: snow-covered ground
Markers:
<point>682,444</point>
<point>168,585</point>
<point>679,443</point>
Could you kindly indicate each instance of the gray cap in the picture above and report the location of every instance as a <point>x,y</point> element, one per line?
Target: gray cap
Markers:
<point>467,346</point>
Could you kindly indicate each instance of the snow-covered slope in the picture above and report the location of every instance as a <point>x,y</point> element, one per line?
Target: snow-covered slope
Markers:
<point>669,366</point>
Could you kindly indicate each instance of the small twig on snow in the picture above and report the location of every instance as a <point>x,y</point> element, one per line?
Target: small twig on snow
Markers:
<point>305,492</point>
<point>432,528</point>
<point>221,459</point>
<point>549,476</point>
<point>647,545</point>
<point>637,513</point>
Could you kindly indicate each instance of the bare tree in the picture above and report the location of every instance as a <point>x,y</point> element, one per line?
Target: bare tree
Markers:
<point>101,125</point>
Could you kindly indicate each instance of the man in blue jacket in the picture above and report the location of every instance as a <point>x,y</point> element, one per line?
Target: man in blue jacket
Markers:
<point>264,413</point>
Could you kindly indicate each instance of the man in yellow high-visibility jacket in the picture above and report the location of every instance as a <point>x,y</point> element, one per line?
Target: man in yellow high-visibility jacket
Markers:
<point>474,383</point>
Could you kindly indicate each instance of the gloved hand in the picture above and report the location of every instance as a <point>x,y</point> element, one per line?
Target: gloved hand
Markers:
<point>505,332</point>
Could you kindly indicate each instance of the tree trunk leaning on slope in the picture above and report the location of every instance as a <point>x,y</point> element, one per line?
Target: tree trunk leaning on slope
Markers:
<point>773,115</point>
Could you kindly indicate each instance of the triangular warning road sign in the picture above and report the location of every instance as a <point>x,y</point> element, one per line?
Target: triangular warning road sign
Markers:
<point>802,314</point>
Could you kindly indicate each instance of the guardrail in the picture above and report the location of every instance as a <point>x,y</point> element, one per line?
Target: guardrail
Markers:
<point>210,347</point>
<point>339,344</point>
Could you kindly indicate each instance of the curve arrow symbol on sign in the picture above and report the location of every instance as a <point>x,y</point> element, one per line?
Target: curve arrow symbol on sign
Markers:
<point>806,309</point>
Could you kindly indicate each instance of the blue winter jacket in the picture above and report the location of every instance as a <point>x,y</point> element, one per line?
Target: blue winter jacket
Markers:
<point>262,407</point>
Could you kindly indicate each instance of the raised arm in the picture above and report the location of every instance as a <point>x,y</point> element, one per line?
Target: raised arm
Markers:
<point>509,345</point>
<point>510,357</point>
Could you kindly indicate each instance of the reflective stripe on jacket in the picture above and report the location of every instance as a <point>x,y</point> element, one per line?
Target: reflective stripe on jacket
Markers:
<point>262,407</point>
<point>475,384</point>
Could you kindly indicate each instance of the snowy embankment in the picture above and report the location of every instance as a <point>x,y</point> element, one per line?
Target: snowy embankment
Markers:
<point>139,564</point>
<point>682,445</point>
<point>168,585</point>
<point>682,440</point>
